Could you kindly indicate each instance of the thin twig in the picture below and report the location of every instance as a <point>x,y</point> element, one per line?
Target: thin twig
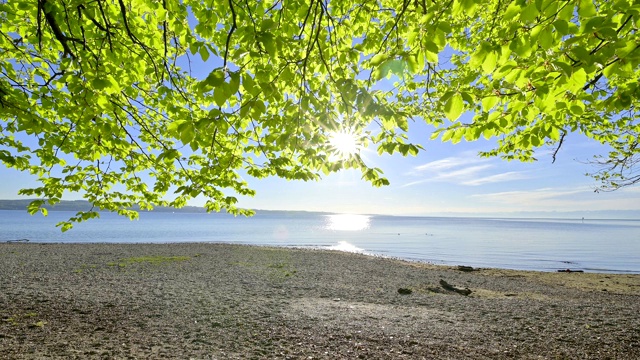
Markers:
<point>553,156</point>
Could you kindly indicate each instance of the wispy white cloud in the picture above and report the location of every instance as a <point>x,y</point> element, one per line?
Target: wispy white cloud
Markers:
<point>629,190</point>
<point>418,182</point>
<point>463,170</point>
<point>448,163</point>
<point>507,176</point>
<point>461,175</point>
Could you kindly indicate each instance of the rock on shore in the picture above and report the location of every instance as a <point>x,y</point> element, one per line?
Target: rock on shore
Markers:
<point>215,301</point>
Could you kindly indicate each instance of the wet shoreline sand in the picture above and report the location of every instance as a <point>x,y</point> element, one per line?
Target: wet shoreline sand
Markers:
<point>217,301</point>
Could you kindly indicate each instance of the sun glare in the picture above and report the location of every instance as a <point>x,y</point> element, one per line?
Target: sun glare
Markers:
<point>344,143</point>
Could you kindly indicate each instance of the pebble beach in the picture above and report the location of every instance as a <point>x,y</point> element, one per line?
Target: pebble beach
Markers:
<point>219,301</point>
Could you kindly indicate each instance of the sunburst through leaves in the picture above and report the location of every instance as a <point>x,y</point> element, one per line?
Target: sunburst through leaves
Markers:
<point>345,143</point>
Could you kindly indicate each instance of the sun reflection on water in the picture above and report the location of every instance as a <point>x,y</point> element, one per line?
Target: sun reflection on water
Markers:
<point>345,246</point>
<point>348,222</point>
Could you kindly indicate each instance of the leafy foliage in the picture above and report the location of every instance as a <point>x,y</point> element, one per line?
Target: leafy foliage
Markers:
<point>100,97</point>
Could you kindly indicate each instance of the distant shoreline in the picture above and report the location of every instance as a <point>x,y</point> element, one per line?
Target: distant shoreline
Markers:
<point>83,205</point>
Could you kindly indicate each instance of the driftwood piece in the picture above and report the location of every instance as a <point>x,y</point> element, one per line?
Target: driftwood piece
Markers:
<point>465,268</point>
<point>445,285</point>
<point>404,291</point>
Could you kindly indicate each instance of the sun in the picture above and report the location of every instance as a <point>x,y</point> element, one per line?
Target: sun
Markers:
<point>344,143</point>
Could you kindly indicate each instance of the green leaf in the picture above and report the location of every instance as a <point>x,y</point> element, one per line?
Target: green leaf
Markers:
<point>561,26</point>
<point>204,53</point>
<point>174,126</point>
<point>567,69</point>
<point>25,6</point>
<point>100,84</point>
<point>34,206</point>
<point>187,133</point>
<point>539,4</point>
<point>545,38</point>
<point>577,80</point>
<point>248,83</point>
<point>215,78</point>
<point>554,134</point>
<point>220,96</point>
<point>390,66</point>
<point>489,102</point>
<point>268,25</point>
<point>453,107</point>
<point>535,140</point>
<point>269,44</point>
<point>529,13</point>
<point>378,59</point>
<point>505,69</point>
<point>446,136</point>
<point>432,57</point>
<point>411,64</point>
<point>477,58</point>
<point>586,8</point>
<point>488,133</point>
<point>65,226</point>
<point>234,83</point>
<point>512,10</point>
<point>432,51</point>
<point>489,63</point>
<point>576,110</point>
<point>457,135</point>
<point>610,70</point>
<point>195,47</point>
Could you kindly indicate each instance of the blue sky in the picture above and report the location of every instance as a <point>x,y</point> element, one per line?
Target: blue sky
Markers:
<point>449,179</point>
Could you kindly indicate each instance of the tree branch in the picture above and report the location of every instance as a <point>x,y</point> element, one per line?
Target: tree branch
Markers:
<point>233,28</point>
<point>59,35</point>
<point>123,11</point>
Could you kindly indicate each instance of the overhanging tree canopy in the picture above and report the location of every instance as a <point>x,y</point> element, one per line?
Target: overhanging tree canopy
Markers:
<point>101,97</point>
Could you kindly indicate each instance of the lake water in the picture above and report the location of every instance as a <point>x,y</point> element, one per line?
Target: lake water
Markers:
<point>526,244</point>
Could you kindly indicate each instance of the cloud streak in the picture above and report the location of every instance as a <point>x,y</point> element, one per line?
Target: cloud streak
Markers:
<point>448,163</point>
<point>463,170</point>
<point>508,176</point>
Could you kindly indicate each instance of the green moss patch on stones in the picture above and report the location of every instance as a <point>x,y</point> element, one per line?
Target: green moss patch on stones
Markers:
<point>155,260</point>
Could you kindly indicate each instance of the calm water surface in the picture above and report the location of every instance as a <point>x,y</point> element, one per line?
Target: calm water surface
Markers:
<point>528,244</point>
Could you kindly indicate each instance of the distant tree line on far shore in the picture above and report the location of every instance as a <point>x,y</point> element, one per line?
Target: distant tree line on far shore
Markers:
<point>83,205</point>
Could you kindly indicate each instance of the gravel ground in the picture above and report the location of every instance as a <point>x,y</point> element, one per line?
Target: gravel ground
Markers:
<point>214,301</point>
